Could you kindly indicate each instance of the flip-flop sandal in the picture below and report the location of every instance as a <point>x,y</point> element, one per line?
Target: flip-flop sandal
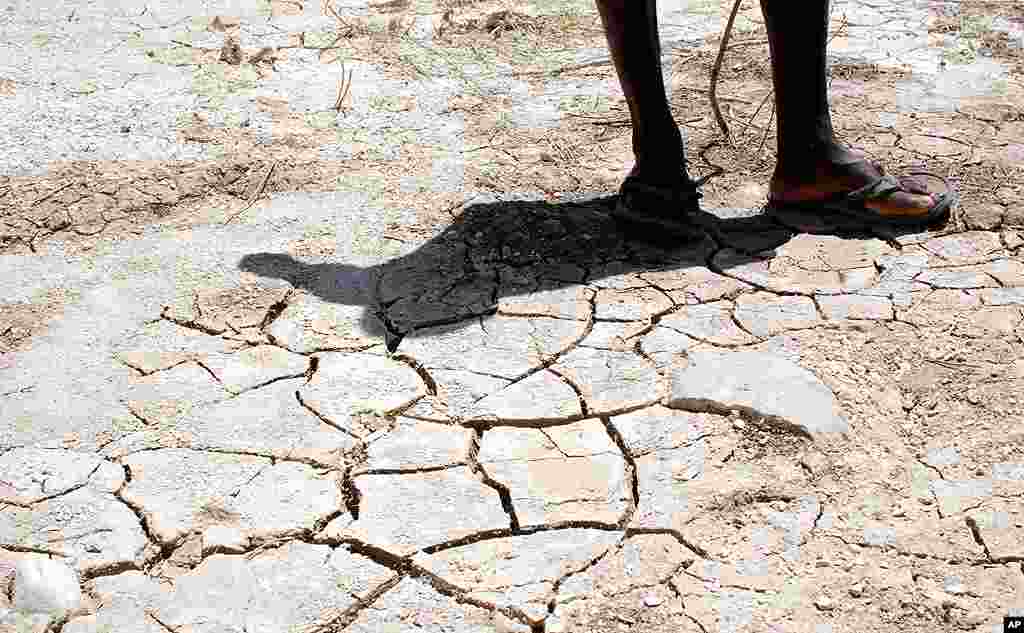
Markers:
<point>659,208</point>
<point>852,203</point>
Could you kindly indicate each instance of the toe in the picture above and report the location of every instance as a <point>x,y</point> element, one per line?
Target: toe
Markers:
<point>904,204</point>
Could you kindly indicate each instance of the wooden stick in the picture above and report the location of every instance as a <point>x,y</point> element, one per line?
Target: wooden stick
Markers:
<point>722,125</point>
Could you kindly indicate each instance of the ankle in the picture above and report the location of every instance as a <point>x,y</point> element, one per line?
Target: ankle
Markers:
<point>819,157</point>
<point>655,136</point>
<point>659,174</point>
<point>661,155</point>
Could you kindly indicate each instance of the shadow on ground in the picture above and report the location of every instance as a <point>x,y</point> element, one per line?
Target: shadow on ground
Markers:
<point>503,249</point>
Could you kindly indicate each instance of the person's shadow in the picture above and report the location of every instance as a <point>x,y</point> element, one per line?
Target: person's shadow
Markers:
<point>511,248</point>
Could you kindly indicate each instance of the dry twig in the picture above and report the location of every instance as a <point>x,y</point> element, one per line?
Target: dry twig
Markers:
<point>722,125</point>
<point>564,69</point>
<point>343,87</point>
<point>51,194</point>
<point>255,195</point>
<point>722,47</point>
<point>327,6</point>
<point>750,122</point>
<point>767,128</point>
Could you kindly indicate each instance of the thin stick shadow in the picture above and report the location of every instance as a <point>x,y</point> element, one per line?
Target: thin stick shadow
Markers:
<point>512,248</point>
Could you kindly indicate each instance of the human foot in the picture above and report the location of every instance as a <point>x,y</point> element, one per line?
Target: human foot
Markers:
<point>656,202</point>
<point>843,181</point>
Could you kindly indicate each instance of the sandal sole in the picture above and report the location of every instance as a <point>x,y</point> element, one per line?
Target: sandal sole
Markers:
<point>940,212</point>
<point>656,225</point>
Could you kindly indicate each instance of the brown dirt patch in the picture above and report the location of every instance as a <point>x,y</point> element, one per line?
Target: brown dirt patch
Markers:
<point>588,151</point>
<point>19,322</point>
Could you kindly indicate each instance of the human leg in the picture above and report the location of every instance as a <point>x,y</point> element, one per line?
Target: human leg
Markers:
<point>812,165</point>
<point>632,32</point>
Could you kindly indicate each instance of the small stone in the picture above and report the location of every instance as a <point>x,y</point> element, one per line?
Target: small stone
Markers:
<point>652,600</point>
<point>42,585</point>
<point>824,603</point>
<point>739,425</point>
<point>856,590</point>
<point>231,52</point>
<point>954,585</point>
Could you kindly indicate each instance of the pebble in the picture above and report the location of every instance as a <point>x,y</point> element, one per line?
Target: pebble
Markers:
<point>825,603</point>
<point>652,600</point>
<point>857,590</point>
<point>42,585</point>
<point>954,586</point>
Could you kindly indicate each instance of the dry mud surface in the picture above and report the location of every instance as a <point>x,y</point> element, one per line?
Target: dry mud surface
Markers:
<point>314,319</point>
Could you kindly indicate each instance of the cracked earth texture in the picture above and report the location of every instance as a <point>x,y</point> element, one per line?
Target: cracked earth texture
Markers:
<point>516,420</point>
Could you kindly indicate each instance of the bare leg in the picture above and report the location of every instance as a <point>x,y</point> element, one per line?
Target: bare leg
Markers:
<point>811,163</point>
<point>631,27</point>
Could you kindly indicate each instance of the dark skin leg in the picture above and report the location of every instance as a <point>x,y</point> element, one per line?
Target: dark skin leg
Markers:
<point>631,27</point>
<point>811,163</point>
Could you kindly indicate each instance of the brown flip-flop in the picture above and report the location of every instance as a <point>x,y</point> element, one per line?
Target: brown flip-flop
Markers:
<point>852,203</point>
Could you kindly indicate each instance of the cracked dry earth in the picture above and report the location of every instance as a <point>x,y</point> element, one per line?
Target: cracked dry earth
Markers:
<point>760,428</point>
<point>511,419</point>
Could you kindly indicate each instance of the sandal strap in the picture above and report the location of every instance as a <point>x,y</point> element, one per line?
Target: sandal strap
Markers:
<point>945,182</point>
<point>878,189</point>
<point>913,185</point>
<point>684,193</point>
<point>889,184</point>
